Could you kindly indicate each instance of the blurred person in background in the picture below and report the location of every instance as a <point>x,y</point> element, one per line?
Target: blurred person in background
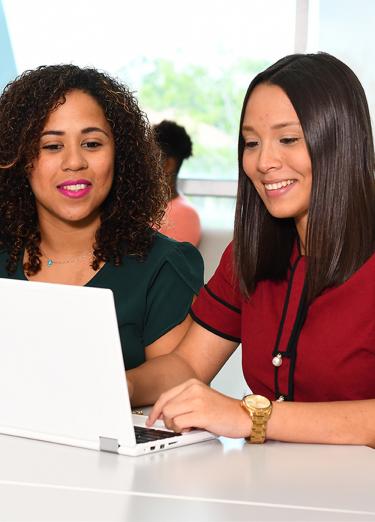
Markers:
<point>181,221</point>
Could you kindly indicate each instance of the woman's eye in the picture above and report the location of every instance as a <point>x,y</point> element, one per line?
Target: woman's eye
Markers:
<point>91,145</point>
<point>51,146</point>
<point>288,141</point>
<point>251,144</point>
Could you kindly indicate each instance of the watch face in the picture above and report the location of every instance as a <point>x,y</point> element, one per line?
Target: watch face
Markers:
<point>257,401</point>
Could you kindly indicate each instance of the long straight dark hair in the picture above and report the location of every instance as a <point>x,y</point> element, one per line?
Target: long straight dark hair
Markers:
<point>332,109</point>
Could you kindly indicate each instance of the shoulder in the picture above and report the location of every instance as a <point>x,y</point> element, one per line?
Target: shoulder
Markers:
<point>366,272</point>
<point>224,278</point>
<point>174,259</point>
<point>164,248</point>
<point>166,258</point>
<point>181,202</point>
<point>181,205</point>
<point>370,263</point>
<point>182,257</point>
<point>227,261</point>
<point>182,221</point>
<point>364,277</point>
<point>167,264</point>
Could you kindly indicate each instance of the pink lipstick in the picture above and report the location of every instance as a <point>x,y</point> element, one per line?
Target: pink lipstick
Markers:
<point>75,188</point>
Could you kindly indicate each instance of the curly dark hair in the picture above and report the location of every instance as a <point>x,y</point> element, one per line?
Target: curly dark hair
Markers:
<point>174,141</point>
<point>137,199</point>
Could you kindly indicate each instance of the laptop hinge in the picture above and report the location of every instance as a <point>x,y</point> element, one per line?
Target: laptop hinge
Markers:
<point>108,444</point>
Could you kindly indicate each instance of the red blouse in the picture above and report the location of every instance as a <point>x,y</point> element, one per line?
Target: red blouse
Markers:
<point>331,358</point>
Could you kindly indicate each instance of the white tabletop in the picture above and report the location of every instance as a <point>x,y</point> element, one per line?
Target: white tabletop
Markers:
<point>216,480</point>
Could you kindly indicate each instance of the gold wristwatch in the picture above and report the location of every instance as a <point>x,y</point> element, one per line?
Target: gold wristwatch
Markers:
<point>259,408</point>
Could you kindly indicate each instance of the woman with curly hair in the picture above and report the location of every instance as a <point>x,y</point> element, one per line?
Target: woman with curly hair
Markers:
<point>81,192</point>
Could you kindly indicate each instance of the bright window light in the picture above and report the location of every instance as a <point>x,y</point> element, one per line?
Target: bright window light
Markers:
<point>190,62</point>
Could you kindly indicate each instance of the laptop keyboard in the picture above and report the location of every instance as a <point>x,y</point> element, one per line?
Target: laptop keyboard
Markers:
<point>148,435</point>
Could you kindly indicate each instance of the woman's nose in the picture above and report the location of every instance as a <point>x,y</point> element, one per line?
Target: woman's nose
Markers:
<point>74,159</point>
<point>268,158</point>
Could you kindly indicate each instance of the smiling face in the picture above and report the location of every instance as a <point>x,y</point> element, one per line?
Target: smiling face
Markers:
<point>73,173</point>
<point>275,155</point>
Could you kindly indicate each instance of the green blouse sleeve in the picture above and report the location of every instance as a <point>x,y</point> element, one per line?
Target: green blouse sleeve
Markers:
<point>171,291</point>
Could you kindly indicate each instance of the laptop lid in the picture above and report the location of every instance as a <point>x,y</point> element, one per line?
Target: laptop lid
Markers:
<point>62,376</point>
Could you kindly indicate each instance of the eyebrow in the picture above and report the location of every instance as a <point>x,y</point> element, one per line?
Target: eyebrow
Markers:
<point>276,126</point>
<point>87,130</point>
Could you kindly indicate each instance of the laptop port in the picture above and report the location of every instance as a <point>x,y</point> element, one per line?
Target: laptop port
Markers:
<point>162,446</point>
<point>152,448</point>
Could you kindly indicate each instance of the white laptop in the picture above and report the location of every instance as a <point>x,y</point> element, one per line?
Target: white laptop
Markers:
<point>62,376</point>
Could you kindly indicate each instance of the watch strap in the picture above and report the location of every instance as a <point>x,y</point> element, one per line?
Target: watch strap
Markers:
<point>258,431</point>
<point>259,418</point>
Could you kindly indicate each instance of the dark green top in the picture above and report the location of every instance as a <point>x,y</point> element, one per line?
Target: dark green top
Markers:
<point>151,297</point>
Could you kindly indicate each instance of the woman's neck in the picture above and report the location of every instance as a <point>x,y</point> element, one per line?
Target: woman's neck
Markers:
<point>66,239</point>
<point>173,192</point>
<point>174,195</point>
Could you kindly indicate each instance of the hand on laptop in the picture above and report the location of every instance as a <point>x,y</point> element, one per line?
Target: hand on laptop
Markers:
<point>196,405</point>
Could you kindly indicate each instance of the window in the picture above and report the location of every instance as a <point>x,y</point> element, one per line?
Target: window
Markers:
<point>346,31</point>
<point>190,62</point>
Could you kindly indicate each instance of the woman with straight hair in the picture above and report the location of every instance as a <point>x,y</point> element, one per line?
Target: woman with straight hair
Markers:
<point>297,286</point>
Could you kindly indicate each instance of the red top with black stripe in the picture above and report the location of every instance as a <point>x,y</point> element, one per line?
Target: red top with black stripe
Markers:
<point>333,355</point>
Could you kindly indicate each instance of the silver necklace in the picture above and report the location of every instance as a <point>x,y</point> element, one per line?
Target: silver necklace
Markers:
<point>75,259</point>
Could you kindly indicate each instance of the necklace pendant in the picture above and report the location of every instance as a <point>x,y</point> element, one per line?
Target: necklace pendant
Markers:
<point>277,360</point>
<point>49,262</point>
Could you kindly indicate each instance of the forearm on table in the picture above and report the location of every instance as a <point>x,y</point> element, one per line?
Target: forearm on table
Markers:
<point>344,422</point>
<point>149,380</point>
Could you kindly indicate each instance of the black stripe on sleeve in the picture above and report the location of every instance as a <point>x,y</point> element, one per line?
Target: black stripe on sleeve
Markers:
<point>213,330</point>
<point>228,305</point>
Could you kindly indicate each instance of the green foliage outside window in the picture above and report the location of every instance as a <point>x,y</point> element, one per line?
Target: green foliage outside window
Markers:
<point>207,101</point>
